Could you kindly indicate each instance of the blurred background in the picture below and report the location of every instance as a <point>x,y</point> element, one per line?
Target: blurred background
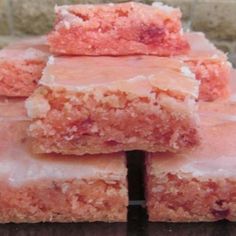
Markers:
<point>217,18</point>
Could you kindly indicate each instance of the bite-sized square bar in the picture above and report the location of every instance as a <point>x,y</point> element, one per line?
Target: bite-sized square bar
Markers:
<point>39,188</point>
<point>198,185</point>
<point>117,29</point>
<point>210,66</point>
<point>21,66</point>
<point>108,104</point>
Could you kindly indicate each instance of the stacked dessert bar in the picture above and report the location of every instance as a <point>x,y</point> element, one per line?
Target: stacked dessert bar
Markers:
<point>21,66</point>
<point>198,185</point>
<point>111,78</point>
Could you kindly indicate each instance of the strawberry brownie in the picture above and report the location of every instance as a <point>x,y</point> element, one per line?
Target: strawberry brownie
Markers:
<point>117,29</point>
<point>108,104</point>
<point>21,66</point>
<point>53,188</point>
<point>210,66</point>
<point>197,185</point>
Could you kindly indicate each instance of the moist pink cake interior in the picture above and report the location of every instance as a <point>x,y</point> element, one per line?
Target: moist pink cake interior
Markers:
<point>21,66</point>
<point>89,188</point>
<point>117,29</point>
<point>122,103</point>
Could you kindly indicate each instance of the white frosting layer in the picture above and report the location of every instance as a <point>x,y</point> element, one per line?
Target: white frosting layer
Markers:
<point>138,75</point>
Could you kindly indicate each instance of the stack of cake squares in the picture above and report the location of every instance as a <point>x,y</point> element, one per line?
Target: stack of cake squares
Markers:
<point>112,78</point>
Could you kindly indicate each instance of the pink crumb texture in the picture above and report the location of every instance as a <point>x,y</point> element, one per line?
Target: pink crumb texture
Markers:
<point>53,188</point>
<point>210,65</point>
<point>117,29</point>
<point>108,104</point>
<point>21,66</point>
<point>198,185</point>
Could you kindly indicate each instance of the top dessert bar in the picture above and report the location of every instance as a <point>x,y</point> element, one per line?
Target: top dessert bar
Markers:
<point>117,29</point>
<point>210,66</point>
<point>108,104</point>
<point>21,66</point>
<point>54,188</point>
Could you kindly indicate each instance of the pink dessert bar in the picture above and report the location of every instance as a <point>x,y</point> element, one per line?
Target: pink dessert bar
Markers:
<point>117,29</point>
<point>39,188</point>
<point>108,104</point>
<point>21,66</point>
<point>12,108</point>
<point>198,185</point>
<point>210,66</point>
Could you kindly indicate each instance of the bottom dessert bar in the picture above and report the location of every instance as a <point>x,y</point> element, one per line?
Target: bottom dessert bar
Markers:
<point>198,185</point>
<point>40,188</point>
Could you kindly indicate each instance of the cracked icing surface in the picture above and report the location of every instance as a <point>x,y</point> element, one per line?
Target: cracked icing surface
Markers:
<point>138,74</point>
